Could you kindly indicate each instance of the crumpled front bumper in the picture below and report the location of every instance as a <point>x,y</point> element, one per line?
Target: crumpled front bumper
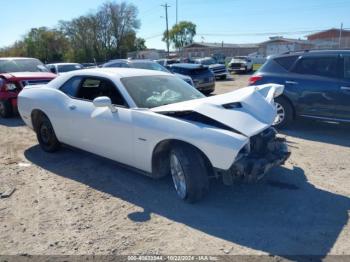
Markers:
<point>272,151</point>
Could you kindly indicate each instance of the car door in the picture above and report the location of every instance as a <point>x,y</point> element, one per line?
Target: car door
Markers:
<point>99,130</point>
<point>315,81</point>
<point>343,92</point>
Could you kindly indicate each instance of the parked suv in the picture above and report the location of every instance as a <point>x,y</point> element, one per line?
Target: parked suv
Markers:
<point>317,85</point>
<point>241,64</point>
<point>15,73</point>
<point>219,70</point>
<point>202,76</point>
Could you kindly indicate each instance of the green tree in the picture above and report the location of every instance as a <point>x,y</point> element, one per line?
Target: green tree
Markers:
<point>181,34</point>
<point>110,32</point>
<point>49,45</point>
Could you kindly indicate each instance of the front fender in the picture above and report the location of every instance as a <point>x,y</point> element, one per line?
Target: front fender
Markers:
<point>220,146</point>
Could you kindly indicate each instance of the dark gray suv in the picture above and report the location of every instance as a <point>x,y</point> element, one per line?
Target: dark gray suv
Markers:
<point>317,85</point>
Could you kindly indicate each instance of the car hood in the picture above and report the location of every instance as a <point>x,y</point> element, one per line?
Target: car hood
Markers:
<point>238,61</point>
<point>29,75</point>
<point>252,109</point>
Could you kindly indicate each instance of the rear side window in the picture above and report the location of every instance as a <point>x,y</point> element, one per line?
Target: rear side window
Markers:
<point>71,86</point>
<point>286,61</point>
<point>271,66</point>
<point>179,70</point>
<point>319,66</point>
<point>199,71</point>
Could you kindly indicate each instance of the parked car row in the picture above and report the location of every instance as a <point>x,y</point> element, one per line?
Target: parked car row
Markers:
<point>144,64</point>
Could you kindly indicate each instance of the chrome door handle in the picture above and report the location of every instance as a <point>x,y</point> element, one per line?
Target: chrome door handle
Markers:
<point>347,88</point>
<point>291,83</point>
<point>72,107</point>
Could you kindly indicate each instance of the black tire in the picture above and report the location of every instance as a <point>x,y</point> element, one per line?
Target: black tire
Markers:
<point>288,112</point>
<point>5,109</point>
<point>46,135</point>
<point>223,77</point>
<point>207,92</point>
<point>195,170</point>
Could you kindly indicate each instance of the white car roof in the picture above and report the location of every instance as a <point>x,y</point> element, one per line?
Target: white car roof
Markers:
<point>64,64</point>
<point>16,58</point>
<point>112,73</point>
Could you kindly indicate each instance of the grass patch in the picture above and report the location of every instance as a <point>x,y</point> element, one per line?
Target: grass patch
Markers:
<point>256,66</point>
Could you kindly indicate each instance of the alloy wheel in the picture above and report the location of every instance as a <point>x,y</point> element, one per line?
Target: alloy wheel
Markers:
<point>178,176</point>
<point>281,114</point>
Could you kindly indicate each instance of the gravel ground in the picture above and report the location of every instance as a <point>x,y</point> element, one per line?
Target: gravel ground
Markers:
<point>73,202</point>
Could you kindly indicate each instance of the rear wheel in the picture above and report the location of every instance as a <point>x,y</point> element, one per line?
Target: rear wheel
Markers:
<point>46,136</point>
<point>5,109</point>
<point>284,113</point>
<point>189,172</point>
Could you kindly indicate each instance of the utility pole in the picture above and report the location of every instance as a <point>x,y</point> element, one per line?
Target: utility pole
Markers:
<point>167,27</point>
<point>176,11</point>
<point>340,34</point>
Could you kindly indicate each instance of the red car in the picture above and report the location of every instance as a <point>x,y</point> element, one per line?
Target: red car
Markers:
<point>15,73</point>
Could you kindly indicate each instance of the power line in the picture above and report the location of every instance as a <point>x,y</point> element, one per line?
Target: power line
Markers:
<point>153,36</point>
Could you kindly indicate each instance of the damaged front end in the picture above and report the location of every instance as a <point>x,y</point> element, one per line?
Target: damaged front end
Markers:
<point>264,151</point>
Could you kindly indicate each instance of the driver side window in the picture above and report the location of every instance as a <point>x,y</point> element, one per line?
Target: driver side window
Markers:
<point>89,88</point>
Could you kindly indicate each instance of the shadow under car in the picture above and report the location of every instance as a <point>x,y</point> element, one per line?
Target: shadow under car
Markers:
<point>283,215</point>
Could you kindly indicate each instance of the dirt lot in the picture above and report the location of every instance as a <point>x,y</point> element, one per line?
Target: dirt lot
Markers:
<point>76,203</point>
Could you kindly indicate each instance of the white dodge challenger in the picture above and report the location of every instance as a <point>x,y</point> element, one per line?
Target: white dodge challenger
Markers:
<point>158,124</point>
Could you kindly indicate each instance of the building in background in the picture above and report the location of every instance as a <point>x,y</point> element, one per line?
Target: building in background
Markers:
<point>211,49</point>
<point>330,39</point>
<point>278,45</point>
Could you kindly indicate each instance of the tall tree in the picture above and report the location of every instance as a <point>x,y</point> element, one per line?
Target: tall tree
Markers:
<point>110,32</point>
<point>181,34</point>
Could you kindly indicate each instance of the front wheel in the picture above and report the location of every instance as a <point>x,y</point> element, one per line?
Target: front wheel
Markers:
<point>189,172</point>
<point>46,136</point>
<point>284,113</point>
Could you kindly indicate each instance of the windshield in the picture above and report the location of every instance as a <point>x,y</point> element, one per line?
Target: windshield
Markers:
<point>68,68</point>
<point>240,58</point>
<point>21,65</point>
<point>153,91</point>
<point>208,61</point>
<point>150,66</point>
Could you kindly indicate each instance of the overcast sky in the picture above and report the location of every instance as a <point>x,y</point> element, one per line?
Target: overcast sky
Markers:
<point>231,21</point>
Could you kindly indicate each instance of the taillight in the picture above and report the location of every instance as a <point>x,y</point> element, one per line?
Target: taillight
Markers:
<point>253,79</point>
